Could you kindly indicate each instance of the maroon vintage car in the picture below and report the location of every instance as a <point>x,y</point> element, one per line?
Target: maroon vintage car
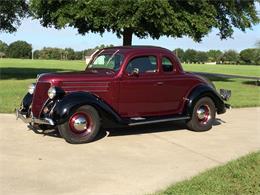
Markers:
<point>121,86</point>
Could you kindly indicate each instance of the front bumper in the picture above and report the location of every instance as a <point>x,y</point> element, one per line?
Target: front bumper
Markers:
<point>33,120</point>
<point>225,94</point>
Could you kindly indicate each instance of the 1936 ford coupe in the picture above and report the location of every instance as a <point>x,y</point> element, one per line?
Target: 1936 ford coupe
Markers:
<point>121,85</point>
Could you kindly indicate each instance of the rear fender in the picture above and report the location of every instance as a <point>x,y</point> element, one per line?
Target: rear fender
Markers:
<point>204,91</point>
<point>70,103</point>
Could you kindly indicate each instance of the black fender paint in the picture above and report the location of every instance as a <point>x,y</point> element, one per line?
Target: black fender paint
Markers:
<point>66,106</point>
<point>204,91</point>
<point>26,102</point>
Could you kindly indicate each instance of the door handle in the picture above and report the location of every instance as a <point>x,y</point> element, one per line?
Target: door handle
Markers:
<point>160,83</point>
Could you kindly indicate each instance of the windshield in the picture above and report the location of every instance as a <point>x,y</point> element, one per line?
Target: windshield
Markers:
<point>110,61</point>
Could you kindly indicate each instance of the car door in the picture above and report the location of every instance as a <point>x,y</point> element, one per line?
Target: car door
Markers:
<point>138,94</point>
<point>174,86</point>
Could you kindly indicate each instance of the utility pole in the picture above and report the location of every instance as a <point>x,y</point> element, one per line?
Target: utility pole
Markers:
<point>32,52</point>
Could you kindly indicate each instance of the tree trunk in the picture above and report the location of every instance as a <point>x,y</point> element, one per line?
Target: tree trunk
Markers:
<point>127,37</point>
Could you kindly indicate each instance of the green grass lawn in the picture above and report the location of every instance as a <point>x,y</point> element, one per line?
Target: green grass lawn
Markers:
<point>224,69</point>
<point>17,74</point>
<point>241,176</point>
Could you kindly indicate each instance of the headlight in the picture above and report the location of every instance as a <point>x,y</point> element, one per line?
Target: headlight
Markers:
<point>31,88</point>
<point>52,92</point>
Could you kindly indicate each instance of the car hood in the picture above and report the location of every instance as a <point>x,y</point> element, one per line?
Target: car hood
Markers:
<point>81,76</point>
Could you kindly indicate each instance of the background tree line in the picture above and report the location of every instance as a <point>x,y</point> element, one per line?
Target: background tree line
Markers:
<point>22,49</point>
<point>246,56</point>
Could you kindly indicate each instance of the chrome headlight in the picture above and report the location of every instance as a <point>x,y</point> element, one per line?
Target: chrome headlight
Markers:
<point>31,88</point>
<point>52,92</point>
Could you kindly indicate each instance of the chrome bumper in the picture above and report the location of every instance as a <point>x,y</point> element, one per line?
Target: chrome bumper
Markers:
<point>44,121</point>
<point>225,94</point>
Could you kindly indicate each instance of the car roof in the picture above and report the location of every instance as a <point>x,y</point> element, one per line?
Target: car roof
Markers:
<point>136,48</point>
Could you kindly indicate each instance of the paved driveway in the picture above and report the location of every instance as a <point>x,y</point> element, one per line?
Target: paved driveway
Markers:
<point>136,161</point>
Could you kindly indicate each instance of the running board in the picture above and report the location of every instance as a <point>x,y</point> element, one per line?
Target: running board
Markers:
<point>158,121</point>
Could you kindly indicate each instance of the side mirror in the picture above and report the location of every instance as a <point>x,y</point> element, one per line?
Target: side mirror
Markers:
<point>135,72</point>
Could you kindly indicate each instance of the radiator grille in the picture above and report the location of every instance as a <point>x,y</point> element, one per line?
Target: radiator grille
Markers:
<point>39,98</point>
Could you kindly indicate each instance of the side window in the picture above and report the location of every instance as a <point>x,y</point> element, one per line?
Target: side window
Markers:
<point>167,65</point>
<point>144,64</point>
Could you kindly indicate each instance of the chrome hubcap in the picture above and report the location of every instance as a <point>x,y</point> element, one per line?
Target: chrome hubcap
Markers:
<point>79,123</point>
<point>203,114</point>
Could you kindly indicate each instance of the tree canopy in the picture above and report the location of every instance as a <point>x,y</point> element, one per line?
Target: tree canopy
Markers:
<point>19,49</point>
<point>230,56</point>
<point>11,11</point>
<point>145,18</point>
<point>179,53</point>
<point>3,47</point>
<point>214,55</point>
<point>250,56</point>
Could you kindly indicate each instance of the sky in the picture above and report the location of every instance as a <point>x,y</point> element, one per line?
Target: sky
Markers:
<point>32,32</point>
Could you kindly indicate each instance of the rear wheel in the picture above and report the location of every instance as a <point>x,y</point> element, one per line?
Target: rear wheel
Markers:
<point>203,115</point>
<point>82,126</point>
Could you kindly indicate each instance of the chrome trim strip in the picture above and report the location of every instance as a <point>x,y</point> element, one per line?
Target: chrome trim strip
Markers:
<point>68,82</point>
<point>159,120</point>
<point>68,91</point>
<point>83,86</point>
<point>50,121</point>
<point>51,111</point>
<point>44,106</point>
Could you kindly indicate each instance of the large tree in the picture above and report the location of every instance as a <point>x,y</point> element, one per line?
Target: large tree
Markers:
<point>214,55</point>
<point>201,57</point>
<point>230,56</point>
<point>11,11</point>
<point>179,53</point>
<point>3,47</point>
<point>52,53</point>
<point>143,18</point>
<point>19,49</point>
<point>250,56</point>
<point>190,55</point>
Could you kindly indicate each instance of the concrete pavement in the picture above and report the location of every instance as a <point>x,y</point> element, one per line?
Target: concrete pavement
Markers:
<point>125,161</point>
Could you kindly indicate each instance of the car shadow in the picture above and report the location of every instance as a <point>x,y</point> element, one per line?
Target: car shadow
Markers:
<point>146,129</point>
<point>48,132</point>
<point>153,128</point>
<point>125,131</point>
<point>218,121</point>
<point>216,78</point>
<point>252,83</point>
<point>25,73</point>
<point>213,77</point>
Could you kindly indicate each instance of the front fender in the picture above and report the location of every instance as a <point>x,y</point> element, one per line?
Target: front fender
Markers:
<point>26,103</point>
<point>69,103</point>
<point>204,91</point>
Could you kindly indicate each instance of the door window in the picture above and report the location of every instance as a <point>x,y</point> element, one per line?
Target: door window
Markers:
<point>144,64</point>
<point>167,65</point>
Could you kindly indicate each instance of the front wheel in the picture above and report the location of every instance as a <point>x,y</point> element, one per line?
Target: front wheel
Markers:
<point>82,126</point>
<point>203,115</point>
